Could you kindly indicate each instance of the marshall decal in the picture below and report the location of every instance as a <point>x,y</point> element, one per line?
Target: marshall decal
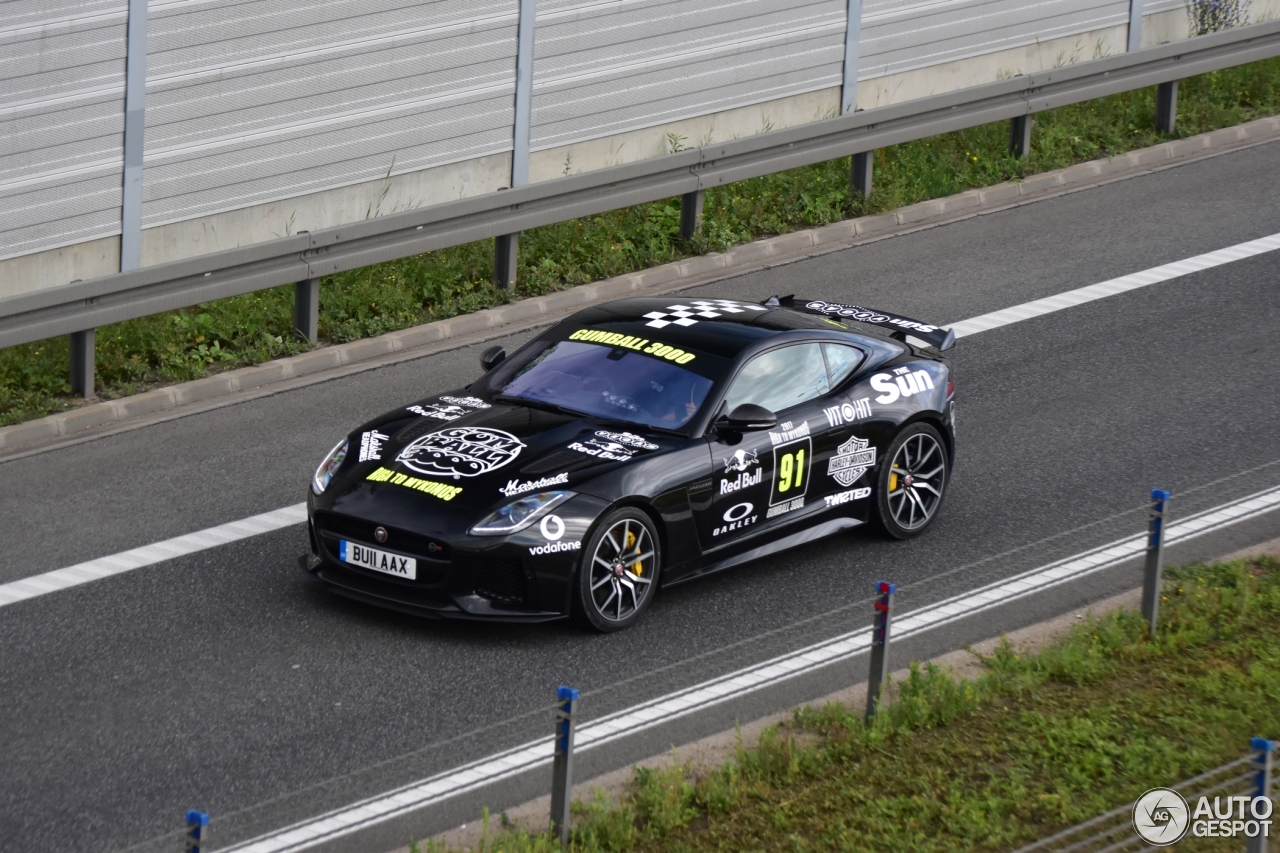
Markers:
<point>371,446</point>
<point>903,383</point>
<point>515,487</point>
<point>461,452</point>
<point>851,461</point>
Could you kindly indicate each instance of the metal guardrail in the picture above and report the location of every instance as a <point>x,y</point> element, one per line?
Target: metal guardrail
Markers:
<point>84,305</point>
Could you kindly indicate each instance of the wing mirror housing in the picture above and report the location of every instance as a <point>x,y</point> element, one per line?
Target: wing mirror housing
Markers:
<point>492,357</point>
<point>748,418</point>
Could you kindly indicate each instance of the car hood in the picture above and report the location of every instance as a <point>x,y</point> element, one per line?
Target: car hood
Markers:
<point>456,454</point>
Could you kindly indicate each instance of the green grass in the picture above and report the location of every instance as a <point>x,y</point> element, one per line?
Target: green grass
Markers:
<point>250,329</point>
<point>1039,743</point>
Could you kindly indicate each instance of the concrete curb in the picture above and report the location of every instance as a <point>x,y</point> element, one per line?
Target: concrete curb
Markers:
<point>471,328</point>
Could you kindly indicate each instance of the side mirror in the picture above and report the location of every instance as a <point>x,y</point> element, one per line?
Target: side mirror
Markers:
<point>492,357</point>
<point>748,417</point>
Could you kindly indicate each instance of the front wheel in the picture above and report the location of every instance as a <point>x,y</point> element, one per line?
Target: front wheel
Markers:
<point>619,571</point>
<point>911,482</point>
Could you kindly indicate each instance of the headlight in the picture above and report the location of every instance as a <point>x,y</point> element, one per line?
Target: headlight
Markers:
<point>519,514</point>
<point>330,464</point>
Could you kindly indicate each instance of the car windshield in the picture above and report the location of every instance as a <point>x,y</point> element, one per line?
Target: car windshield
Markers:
<point>609,382</point>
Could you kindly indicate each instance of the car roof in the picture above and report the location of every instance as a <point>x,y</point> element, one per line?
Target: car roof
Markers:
<point>722,327</point>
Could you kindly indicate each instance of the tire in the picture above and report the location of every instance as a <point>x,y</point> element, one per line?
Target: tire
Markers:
<point>911,482</point>
<point>610,594</point>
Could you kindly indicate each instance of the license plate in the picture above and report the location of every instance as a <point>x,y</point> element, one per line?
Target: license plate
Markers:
<point>379,561</point>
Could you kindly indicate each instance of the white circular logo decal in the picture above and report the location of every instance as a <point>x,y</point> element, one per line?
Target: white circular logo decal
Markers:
<point>461,452</point>
<point>1161,817</point>
<point>552,527</point>
<point>737,512</point>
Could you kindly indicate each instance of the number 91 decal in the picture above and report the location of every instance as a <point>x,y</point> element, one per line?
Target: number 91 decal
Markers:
<point>791,470</point>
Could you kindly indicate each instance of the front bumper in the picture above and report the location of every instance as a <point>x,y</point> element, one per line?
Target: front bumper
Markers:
<point>514,578</point>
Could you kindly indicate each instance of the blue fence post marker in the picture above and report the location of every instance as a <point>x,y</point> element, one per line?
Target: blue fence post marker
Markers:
<point>1156,524</point>
<point>1261,788</point>
<point>562,763</point>
<point>197,831</point>
<point>880,646</point>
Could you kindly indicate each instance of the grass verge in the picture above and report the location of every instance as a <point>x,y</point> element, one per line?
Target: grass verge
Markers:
<point>1039,743</point>
<point>191,343</point>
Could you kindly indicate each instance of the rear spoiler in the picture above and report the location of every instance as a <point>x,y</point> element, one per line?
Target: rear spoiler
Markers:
<point>936,336</point>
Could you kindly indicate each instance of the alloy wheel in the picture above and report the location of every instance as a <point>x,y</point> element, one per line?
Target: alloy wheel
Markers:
<point>622,570</point>
<point>916,480</point>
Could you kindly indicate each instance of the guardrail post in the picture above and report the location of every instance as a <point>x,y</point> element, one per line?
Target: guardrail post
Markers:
<point>1262,788</point>
<point>880,647</point>
<point>1166,107</point>
<point>1020,136</point>
<point>1135,26</point>
<point>197,831</point>
<point>1155,556</point>
<point>562,764</point>
<point>82,363</point>
<point>505,250</point>
<point>691,213</point>
<point>862,173</point>
<point>306,309</point>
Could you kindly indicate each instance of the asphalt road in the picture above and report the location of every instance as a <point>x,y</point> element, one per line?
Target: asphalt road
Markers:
<point>226,677</point>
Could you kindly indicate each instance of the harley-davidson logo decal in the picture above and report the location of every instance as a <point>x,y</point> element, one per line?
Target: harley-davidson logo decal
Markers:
<point>461,452</point>
<point>851,461</point>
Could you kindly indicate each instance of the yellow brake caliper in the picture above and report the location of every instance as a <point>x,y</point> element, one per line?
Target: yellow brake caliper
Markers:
<point>893,481</point>
<point>631,541</point>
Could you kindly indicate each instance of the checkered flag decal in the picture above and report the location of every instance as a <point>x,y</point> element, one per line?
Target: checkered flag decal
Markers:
<point>707,309</point>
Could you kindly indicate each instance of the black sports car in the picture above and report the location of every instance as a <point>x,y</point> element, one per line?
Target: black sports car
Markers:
<point>638,444</point>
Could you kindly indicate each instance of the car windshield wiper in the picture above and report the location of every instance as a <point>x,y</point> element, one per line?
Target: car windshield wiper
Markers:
<point>541,404</point>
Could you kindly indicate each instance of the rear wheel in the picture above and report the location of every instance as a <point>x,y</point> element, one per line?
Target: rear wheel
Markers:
<point>911,482</point>
<point>619,571</point>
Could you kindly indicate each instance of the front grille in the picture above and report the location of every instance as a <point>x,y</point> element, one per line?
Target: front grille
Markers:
<point>397,540</point>
<point>501,581</point>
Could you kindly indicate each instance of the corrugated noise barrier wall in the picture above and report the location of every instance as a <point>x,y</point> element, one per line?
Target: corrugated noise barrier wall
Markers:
<point>250,102</point>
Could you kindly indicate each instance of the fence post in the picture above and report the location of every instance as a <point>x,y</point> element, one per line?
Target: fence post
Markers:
<point>197,831</point>
<point>1155,556</point>
<point>306,309</point>
<point>506,246</point>
<point>1166,107</point>
<point>1262,788</point>
<point>691,213</point>
<point>880,646</point>
<point>1020,136</point>
<point>862,173</point>
<point>82,362</point>
<point>562,764</point>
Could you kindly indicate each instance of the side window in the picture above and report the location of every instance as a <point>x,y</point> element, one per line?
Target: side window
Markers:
<point>841,361</point>
<point>780,379</point>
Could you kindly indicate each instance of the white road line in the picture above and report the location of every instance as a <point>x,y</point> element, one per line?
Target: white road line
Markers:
<point>534,755</point>
<point>1116,285</point>
<point>147,555</point>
